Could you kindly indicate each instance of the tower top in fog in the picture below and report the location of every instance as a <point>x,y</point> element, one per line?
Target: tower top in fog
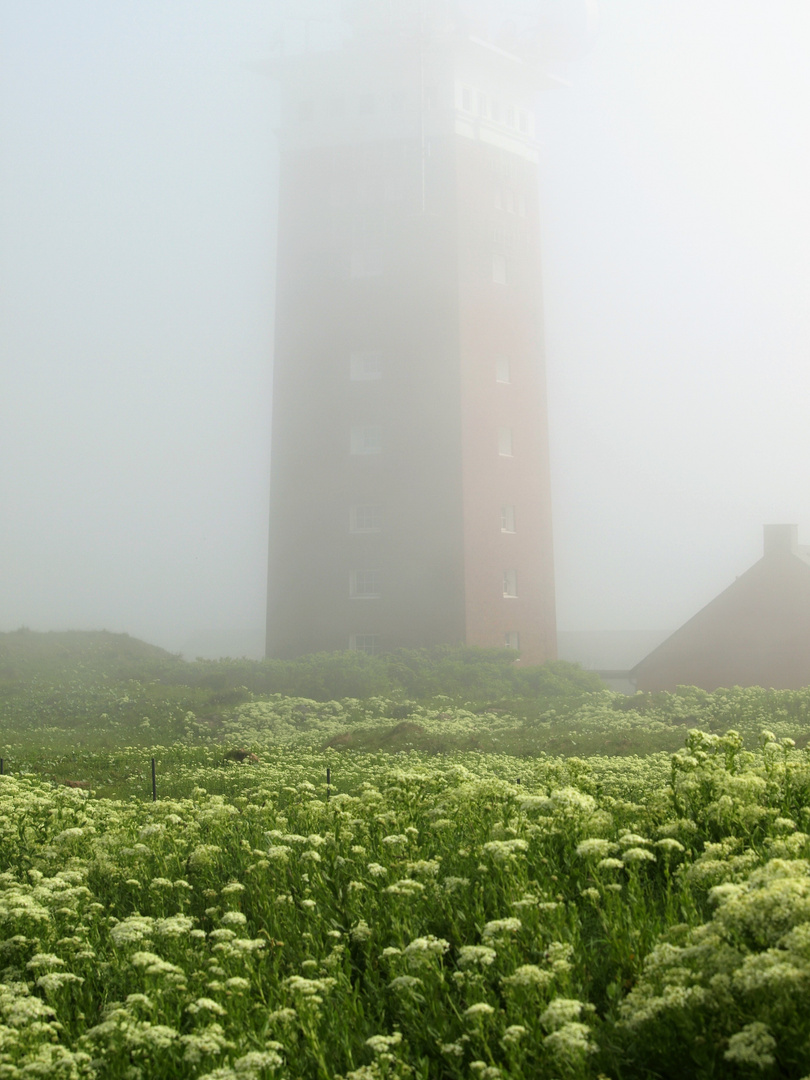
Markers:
<point>410,495</point>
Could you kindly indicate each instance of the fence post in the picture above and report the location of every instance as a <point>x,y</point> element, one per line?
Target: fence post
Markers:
<point>328,781</point>
<point>154,785</point>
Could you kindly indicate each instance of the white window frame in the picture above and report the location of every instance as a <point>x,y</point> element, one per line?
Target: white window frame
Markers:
<point>364,584</point>
<point>365,518</point>
<point>365,643</point>
<point>511,639</point>
<point>365,439</point>
<point>510,584</point>
<point>505,442</point>
<point>508,518</point>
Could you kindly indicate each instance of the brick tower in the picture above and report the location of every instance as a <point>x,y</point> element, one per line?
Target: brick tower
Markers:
<point>410,500</point>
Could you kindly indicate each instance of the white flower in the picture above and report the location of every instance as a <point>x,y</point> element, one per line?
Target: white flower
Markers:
<point>570,1040</point>
<point>528,975</point>
<point>752,1046</point>
<point>470,955</point>
<point>205,1005</point>
<point>480,1008</point>
<point>562,1011</point>
<point>594,846</point>
<point>231,888</point>
<point>498,927</point>
<point>637,855</point>
<point>382,1043</point>
<point>505,850</point>
<point>424,948</point>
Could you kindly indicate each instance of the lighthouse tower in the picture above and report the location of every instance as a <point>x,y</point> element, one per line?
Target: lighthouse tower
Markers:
<point>410,500</point>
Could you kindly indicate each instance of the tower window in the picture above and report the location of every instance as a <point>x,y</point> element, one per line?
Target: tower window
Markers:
<point>364,584</point>
<point>502,372</point>
<point>365,439</point>
<point>366,365</point>
<point>367,643</point>
<point>512,639</point>
<point>499,269</point>
<point>366,519</point>
<point>507,519</point>
<point>466,99</point>
<point>510,583</point>
<point>505,441</point>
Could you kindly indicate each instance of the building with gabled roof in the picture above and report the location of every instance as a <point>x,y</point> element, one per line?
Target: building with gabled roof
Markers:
<point>755,633</point>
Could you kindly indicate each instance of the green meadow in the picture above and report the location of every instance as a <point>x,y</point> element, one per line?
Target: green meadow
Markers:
<point>509,873</point>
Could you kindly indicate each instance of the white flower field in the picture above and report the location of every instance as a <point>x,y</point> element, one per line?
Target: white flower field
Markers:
<point>472,914</point>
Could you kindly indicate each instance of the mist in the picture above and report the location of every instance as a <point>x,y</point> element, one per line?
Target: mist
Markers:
<point>139,183</point>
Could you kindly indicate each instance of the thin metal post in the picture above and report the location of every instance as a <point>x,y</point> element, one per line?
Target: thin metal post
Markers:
<point>1,766</point>
<point>154,784</point>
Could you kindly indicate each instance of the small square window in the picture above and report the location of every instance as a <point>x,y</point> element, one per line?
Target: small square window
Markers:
<point>366,365</point>
<point>499,269</point>
<point>505,441</point>
<point>365,439</point>
<point>364,584</point>
<point>366,519</point>
<point>512,639</point>
<point>510,583</point>
<point>367,643</point>
<point>502,372</point>
<point>507,519</point>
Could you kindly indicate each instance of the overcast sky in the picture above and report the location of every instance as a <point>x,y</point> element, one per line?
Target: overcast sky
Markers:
<point>137,226</point>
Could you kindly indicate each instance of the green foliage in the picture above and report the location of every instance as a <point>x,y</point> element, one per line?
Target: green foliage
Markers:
<point>485,888</point>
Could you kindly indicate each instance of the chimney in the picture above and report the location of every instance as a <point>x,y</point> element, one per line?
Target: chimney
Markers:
<point>781,540</point>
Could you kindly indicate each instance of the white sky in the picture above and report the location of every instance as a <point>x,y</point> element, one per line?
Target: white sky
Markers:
<point>137,207</point>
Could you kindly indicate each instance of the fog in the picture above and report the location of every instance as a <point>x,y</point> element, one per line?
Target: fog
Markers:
<point>138,186</point>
